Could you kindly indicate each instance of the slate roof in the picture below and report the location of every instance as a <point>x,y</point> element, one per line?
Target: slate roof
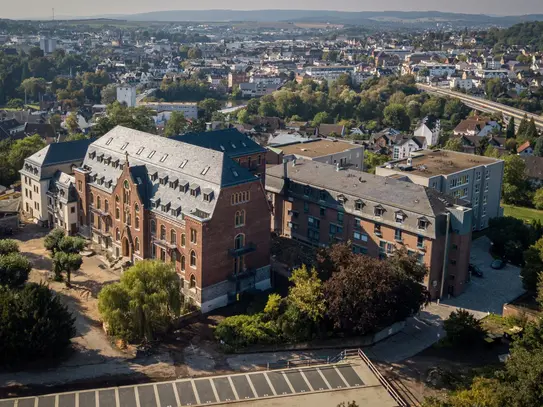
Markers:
<point>56,153</point>
<point>230,141</point>
<point>162,168</point>
<point>399,194</point>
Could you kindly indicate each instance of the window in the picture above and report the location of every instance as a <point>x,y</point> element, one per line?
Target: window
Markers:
<point>72,209</point>
<point>377,229</point>
<point>117,198</point>
<point>151,154</point>
<point>117,235</point>
<point>117,213</point>
<point>173,236</point>
<point>423,223</point>
<point>400,216</point>
<point>128,218</point>
<point>322,212</point>
<point>313,222</point>
<point>307,190</point>
<point>306,207</point>
<point>420,242</point>
<point>398,234</point>
<point>163,158</point>
<point>322,195</point>
<point>79,186</point>
<point>313,235</point>
<point>259,160</point>
<point>477,188</point>
<point>359,249</point>
<point>183,240</point>
<point>378,211</point>
<point>358,205</point>
<point>162,232</point>
<point>106,205</point>
<point>139,150</point>
<point>420,259</point>
<point>240,218</point>
<point>193,236</point>
<point>182,263</point>
<point>192,281</point>
<point>487,173</point>
<point>484,210</point>
<point>484,199</point>
<point>340,217</point>
<point>152,226</point>
<point>91,198</point>
<point>360,236</point>
<point>478,175</point>
<point>137,208</point>
<point>98,202</point>
<point>486,186</point>
<point>163,255</point>
<point>137,244</point>
<point>193,258</point>
<point>239,241</point>
<point>335,229</point>
<point>123,147</point>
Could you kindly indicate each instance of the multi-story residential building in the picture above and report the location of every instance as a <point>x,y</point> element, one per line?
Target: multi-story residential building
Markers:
<point>334,152</point>
<point>320,205</point>
<point>46,182</point>
<point>236,78</point>
<point>126,95</point>
<point>266,80</point>
<point>145,196</point>
<point>430,130</point>
<point>404,146</point>
<point>328,73</point>
<point>189,109</point>
<point>475,179</point>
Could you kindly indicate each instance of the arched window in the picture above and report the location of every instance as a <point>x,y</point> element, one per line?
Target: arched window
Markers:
<point>193,258</point>
<point>98,202</point>
<point>173,237</point>
<point>183,239</point>
<point>182,263</point>
<point>162,232</point>
<point>137,244</point>
<point>117,234</point>
<point>137,208</point>
<point>137,222</point>
<point>128,218</point>
<point>239,241</point>
<point>126,185</point>
<point>106,205</point>
<point>117,198</point>
<point>240,218</point>
<point>152,225</point>
<point>117,213</point>
<point>192,281</point>
<point>92,198</point>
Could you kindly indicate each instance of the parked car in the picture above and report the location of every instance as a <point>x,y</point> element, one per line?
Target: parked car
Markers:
<point>475,271</point>
<point>497,264</point>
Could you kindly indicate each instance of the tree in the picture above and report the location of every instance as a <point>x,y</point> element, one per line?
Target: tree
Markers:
<point>538,199</point>
<point>53,239</point>
<point>307,293</point>
<point>8,246</point>
<point>33,87</point>
<point>243,116</point>
<point>16,103</point>
<point>367,294</point>
<point>177,124</point>
<point>76,136</point>
<point>510,132</point>
<point>538,148</point>
<point>108,94</point>
<point>531,133</point>
<point>14,269</point>
<point>55,121</point>
<point>72,123</point>
<point>372,160</point>
<point>209,106</point>
<point>396,117</point>
<point>463,329</point>
<point>453,144</point>
<point>137,118</point>
<point>34,324</point>
<point>523,126</point>
<point>321,117</point>
<point>483,145</point>
<point>23,148</point>
<point>510,237</point>
<point>494,88</point>
<point>143,303</point>
<point>533,266</point>
<point>492,151</point>
<point>194,53</point>
<point>65,262</point>
<point>514,188</point>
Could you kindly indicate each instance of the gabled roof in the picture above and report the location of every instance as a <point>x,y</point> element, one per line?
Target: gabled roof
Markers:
<point>523,146</point>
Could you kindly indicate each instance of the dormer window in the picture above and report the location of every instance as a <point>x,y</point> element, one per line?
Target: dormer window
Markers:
<point>208,196</point>
<point>163,180</point>
<point>194,190</point>
<point>400,217</point>
<point>175,211</point>
<point>322,195</point>
<point>378,211</point>
<point>358,205</point>
<point>100,158</point>
<point>423,223</point>
<point>156,203</point>
<point>154,176</point>
<point>92,154</point>
<point>115,163</point>
<point>341,199</point>
<point>183,186</point>
<point>173,183</point>
<point>165,207</point>
<point>307,190</point>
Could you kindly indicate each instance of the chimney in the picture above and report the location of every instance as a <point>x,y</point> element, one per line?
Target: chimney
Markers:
<point>285,170</point>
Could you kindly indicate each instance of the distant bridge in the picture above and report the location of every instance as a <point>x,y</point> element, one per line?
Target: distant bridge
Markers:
<point>484,105</point>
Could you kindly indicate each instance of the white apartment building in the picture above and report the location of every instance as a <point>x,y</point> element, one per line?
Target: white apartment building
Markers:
<point>459,83</point>
<point>492,73</point>
<point>476,179</point>
<point>126,95</point>
<point>48,45</point>
<point>189,109</point>
<point>328,73</point>
<point>265,80</point>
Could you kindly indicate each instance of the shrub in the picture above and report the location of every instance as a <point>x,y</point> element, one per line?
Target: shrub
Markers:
<point>33,324</point>
<point>463,328</point>
<point>244,330</point>
<point>14,270</point>
<point>8,246</point>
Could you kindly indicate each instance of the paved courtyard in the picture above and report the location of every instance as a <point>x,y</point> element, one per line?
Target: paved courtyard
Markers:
<point>497,287</point>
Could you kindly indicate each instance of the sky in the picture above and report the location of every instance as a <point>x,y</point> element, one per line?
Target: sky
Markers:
<point>87,8</point>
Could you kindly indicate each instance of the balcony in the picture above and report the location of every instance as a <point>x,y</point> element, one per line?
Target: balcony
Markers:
<point>164,244</point>
<point>98,211</point>
<point>248,248</point>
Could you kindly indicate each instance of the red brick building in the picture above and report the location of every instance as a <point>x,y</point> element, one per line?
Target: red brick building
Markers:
<point>194,200</point>
<point>320,205</point>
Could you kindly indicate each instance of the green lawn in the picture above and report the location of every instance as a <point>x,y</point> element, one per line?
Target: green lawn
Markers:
<point>519,212</point>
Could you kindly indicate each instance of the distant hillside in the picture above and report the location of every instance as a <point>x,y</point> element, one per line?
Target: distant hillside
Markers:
<point>333,17</point>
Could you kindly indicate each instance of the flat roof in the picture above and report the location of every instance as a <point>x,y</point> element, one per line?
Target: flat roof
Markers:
<point>311,386</point>
<point>317,148</point>
<point>428,163</point>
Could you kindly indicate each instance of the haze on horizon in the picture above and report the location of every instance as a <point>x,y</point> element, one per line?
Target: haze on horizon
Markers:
<point>77,8</point>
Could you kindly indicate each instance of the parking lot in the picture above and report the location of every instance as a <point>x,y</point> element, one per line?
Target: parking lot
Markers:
<point>194,392</point>
<point>497,287</point>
